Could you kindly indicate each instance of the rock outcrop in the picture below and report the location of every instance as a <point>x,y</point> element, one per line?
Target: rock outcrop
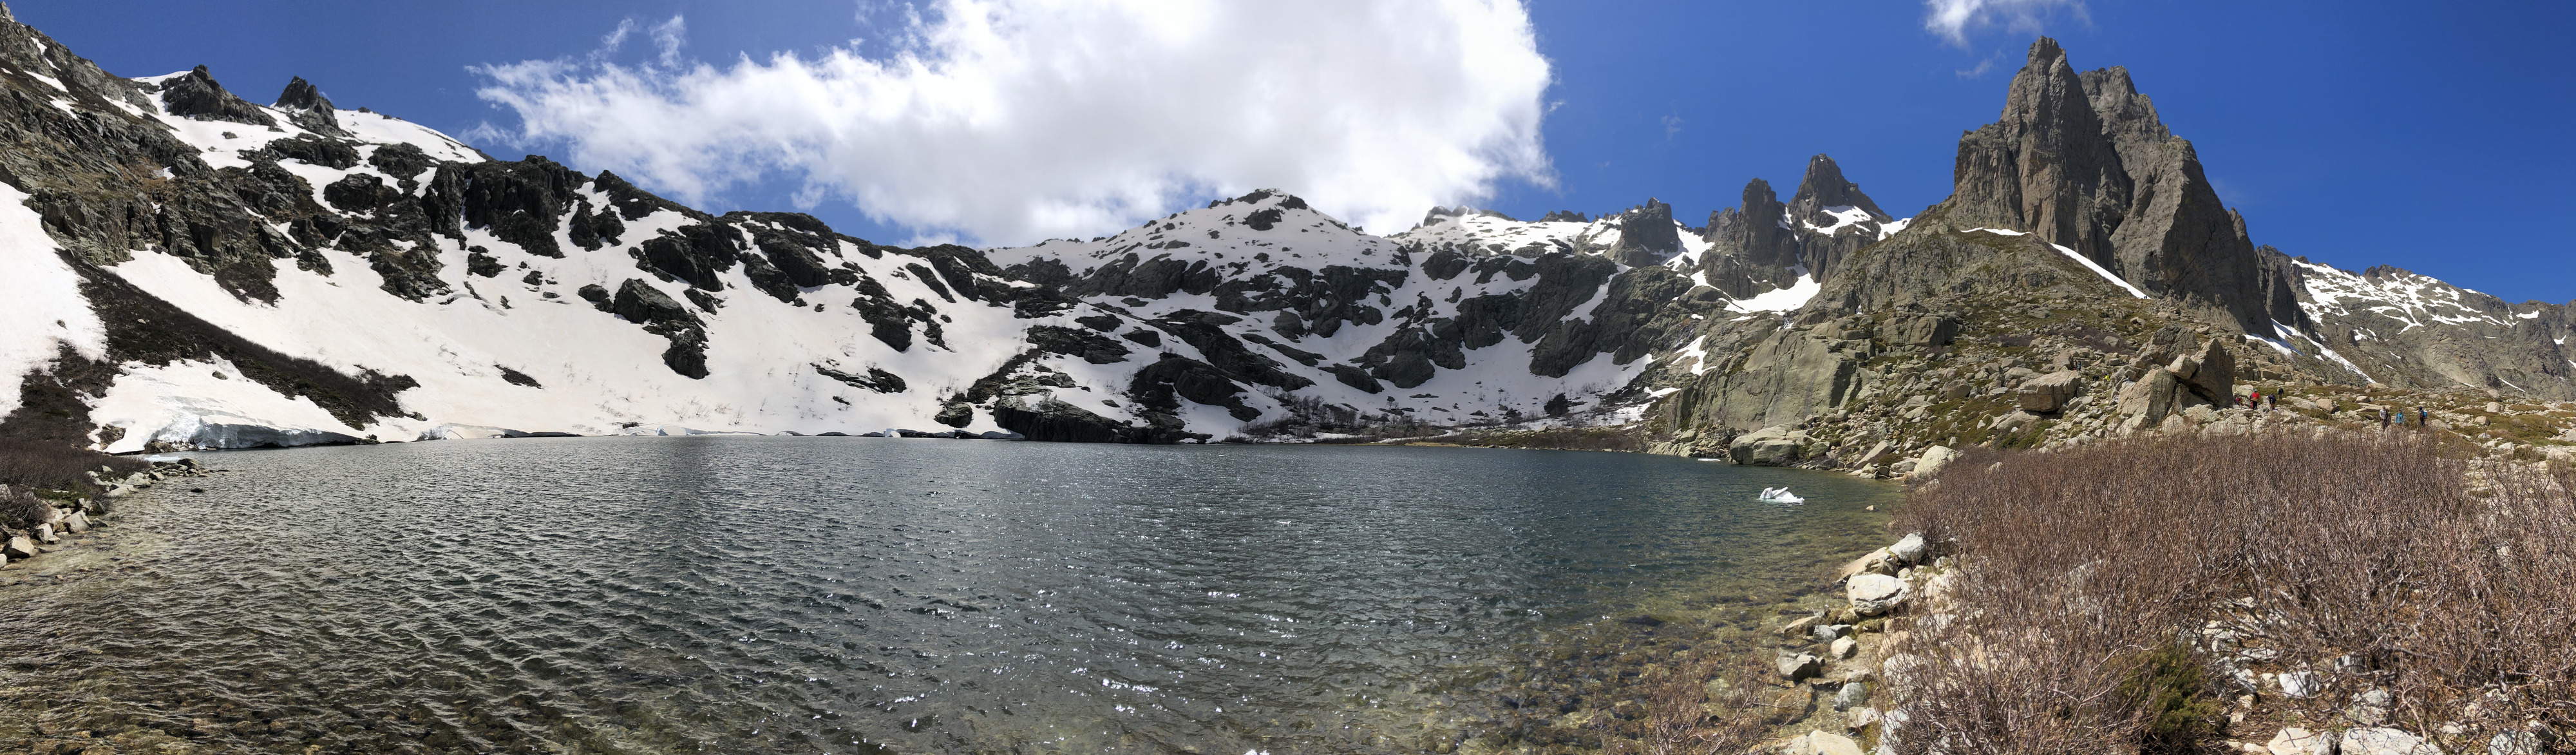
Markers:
<point>2082,161</point>
<point>196,95</point>
<point>1765,244</point>
<point>306,107</point>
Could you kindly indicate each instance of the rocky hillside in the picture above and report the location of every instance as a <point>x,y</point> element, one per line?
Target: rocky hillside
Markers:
<point>193,270</point>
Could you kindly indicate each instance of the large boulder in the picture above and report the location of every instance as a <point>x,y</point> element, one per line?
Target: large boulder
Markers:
<point>1924,330</point>
<point>20,547</point>
<point>2049,393</point>
<point>2215,380</point>
<point>1931,462</point>
<point>1776,446</point>
<point>1908,549</point>
<point>1874,594</point>
<point>2145,402</point>
<point>1879,561</point>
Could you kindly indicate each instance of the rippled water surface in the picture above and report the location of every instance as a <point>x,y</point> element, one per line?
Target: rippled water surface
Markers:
<point>862,595</point>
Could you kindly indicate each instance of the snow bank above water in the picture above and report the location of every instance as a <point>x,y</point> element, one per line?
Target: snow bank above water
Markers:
<point>185,403</point>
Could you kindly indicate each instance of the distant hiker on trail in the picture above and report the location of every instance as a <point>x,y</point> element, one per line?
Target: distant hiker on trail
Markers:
<point>2383,418</point>
<point>2423,418</point>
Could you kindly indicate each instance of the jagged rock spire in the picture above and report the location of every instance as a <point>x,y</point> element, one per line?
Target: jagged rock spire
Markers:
<point>195,94</point>
<point>2044,166</point>
<point>1824,186</point>
<point>2082,161</point>
<point>1647,235</point>
<point>308,108</point>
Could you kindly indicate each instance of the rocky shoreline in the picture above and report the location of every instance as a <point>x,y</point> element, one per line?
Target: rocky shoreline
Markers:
<point>72,522</point>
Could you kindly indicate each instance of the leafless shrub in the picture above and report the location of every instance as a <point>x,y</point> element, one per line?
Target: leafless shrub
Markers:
<point>2390,563</point>
<point>20,509</point>
<point>52,466</point>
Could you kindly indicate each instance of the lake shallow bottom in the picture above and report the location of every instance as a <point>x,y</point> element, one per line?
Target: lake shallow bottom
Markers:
<point>863,595</point>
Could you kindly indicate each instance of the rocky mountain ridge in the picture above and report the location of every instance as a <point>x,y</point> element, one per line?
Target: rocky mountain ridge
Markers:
<point>204,272</point>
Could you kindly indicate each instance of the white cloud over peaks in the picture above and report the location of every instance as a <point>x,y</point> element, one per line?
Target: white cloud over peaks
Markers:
<point>1009,121</point>
<point>1952,19</point>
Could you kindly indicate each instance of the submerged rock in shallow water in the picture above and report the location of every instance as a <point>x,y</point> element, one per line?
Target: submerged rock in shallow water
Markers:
<point>1800,666</point>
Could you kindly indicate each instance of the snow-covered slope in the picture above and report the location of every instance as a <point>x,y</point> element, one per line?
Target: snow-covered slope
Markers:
<point>2405,329</point>
<point>315,274</point>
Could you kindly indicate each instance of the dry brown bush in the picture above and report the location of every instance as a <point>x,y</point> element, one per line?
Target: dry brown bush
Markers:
<point>2380,562</point>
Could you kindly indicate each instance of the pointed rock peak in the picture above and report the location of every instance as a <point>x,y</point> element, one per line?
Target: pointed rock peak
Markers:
<point>1824,186</point>
<point>2044,51</point>
<point>196,95</point>
<point>2123,111</point>
<point>301,95</point>
<point>5,15</point>
<point>1565,216</point>
<point>1647,234</point>
<point>1759,199</point>
<point>307,107</point>
<point>1653,208</point>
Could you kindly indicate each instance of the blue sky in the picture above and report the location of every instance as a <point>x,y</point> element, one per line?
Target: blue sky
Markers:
<point>2434,137</point>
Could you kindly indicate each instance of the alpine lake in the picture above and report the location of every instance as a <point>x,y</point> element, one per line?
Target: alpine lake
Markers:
<point>742,594</point>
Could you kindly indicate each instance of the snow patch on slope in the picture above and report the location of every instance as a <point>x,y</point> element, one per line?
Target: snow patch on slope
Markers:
<point>2097,269</point>
<point>2415,300</point>
<point>220,143</point>
<point>1781,299</point>
<point>186,403</point>
<point>43,310</point>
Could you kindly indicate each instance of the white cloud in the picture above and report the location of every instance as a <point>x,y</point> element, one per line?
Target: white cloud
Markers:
<point>1953,19</point>
<point>1007,121</point>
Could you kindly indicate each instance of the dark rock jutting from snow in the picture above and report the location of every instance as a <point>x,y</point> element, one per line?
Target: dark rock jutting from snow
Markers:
<point>305,106</point>
<point>196,95</point>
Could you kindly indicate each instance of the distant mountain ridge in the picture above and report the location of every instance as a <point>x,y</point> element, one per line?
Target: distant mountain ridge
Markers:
<point>191,270</point>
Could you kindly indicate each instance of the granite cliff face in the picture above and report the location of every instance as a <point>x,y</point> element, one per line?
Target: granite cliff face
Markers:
<point>194,270</point>
<point>2082,161</point>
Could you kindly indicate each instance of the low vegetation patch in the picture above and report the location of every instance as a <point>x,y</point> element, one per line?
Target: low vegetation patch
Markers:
<point>39,465</point>
<point>2159,595</point>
